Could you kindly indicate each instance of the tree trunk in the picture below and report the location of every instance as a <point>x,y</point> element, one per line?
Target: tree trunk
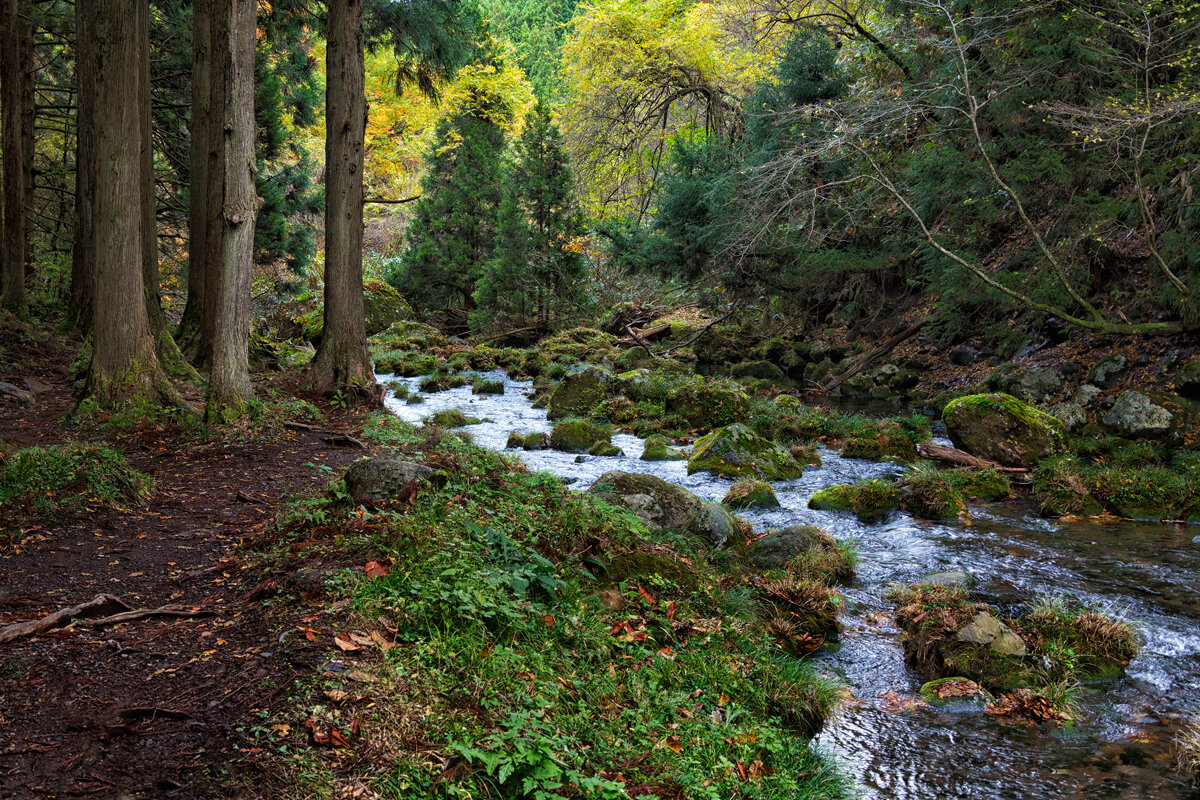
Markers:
<point>342,362</point>
<point>28,109</point>
<point>192,322</point>
<point>124,368</point>
<point>233,37</point>
<point>12,282</point>
<point>83,252</point>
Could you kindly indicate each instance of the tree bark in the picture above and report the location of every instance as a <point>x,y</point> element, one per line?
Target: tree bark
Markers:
<point>342,362</point>
<point>190,325</point>
<point>12,280</point>
<point>25,58</point>
<point>124,369</point>
<point>233,29</point>
<point>83,250</point>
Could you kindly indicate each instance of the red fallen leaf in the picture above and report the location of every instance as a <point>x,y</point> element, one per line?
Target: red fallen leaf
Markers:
<point>318,736</point>
<point>336,737</point>
<point>646,596</point>
<point>741,769</point>
<point>920,617</point>
<point>671,611</point>
<point>355,725</point>
<point>309,633</point>
<point>378,569</point>
<point>666,652</point>
<point>346,644</point>
<point>548,619</point>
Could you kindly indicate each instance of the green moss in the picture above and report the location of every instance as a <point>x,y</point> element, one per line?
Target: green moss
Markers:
<point>984,484</point>
<point>452,418</point>
<point>657,448</point>
<point>605,450</point>
<point>871,501</point>
<point>578,435</point>
<point>736,451</point>
<point>659,566</point>
<point>751,493</point>
<point>708,406</point>
<point>930,494</point>
<point>580,393</point>
<point>487,387</point>
<point>441,381</point>
<point>1001,428</point>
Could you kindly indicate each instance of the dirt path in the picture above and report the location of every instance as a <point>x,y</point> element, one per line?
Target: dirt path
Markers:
<point>149,708</point>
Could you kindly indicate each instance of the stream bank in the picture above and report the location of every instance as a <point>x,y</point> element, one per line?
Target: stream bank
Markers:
<point>894,746</point>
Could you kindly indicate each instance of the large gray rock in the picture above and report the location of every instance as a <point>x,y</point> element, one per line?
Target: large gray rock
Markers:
<point>777,548</point>
<point>1071,414</point>
<point>1036,386</point>
<point>1086,395</point>
<point>984,629</point>
<point>676,506</point>
<point>1108,371</point>
<point>374,479</point>
<point>1135,414</point>
<point>1001,428</point>
<point>736,451</point>
<point>717,526</point>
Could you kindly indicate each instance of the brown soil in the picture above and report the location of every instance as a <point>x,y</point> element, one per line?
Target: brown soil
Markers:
<point>155,707</point>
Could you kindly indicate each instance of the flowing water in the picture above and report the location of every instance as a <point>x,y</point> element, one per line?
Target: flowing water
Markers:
<point>896,748</point>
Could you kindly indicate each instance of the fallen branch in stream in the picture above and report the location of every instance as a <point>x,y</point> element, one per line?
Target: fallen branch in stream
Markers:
<point>961,458</point>
<point>881,350</point>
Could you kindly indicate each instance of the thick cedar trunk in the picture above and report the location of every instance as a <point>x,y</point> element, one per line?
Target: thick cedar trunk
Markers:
<point>233,28</point>
<point>28,111</point>
<point>12,280</point>
<point>342,362</point>
<point>193,312</point>
<point>83,253</point>
<point>214,165</point>
<point>124,367</point>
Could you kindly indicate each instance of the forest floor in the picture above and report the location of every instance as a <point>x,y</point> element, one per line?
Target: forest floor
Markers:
<point>153,707</point>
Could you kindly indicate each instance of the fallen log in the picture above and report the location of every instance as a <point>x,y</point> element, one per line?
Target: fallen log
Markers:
<point>888,346</point>
<point>961,458</point>
<point>100,604</point>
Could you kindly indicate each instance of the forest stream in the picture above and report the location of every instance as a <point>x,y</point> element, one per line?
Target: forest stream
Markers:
<point>890,743</point>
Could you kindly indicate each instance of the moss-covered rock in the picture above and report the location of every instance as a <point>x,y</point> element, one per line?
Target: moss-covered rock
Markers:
<point>376,479</point>
<point>605,450</point>
<point>709,406</point>
<point>578,435</point>
<point>777,548</point>
<point>1001,428</point>
<point>1135,414</point>
<point>657,448</point>
<point>751,493</point>
<point>580,393</point>
<point>764,371</point>
<point>1187,380</point>
<point>871,501</point>
<point>452,418</point>
<point>929,494</point>
<point>652,562</point>
<point>1058,485</point>
<point>717,528</point>
<point>676,505</point>
<point>408,335</point>
<point>527,441</point>
<point>983,484</point>
<point>736,451</point>
<point>383,306</point>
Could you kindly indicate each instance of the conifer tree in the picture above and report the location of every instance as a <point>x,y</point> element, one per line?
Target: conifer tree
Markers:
<point>451,238</point>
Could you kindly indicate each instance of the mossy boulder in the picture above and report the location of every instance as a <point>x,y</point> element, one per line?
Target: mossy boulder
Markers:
<point>676,505</point>
<point>383,306</point>
<point>735,451</point>
<point>528,441</point>
<point>777,548</point>
<point>709,406</point>
<point>751,493</point>
<point>717,528</point>
<point>1108,371</point>
<point>578,435</point>
<point>409,335</point>
<point>657,448</point>
<point>656,561</point>
<point>374,479</point>
<point>1001,428</point>
<point>930,494</point>
<point>763,371</point>
<point>871,501</point>
<point>579,393</point>
<point>452,418</point>
<point>605,450</point>
<point>1187,380</point>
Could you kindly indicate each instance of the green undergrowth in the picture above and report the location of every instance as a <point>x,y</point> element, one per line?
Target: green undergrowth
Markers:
<point>1060,645</point>
<point>70,478</point>
<point>1129,479</point>
<point>514,665</point>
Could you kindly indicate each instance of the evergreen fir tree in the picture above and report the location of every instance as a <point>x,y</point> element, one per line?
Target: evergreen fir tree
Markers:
<point>451,237</point>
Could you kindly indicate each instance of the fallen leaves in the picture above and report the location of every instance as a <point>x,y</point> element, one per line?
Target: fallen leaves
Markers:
<point>378,569</point>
